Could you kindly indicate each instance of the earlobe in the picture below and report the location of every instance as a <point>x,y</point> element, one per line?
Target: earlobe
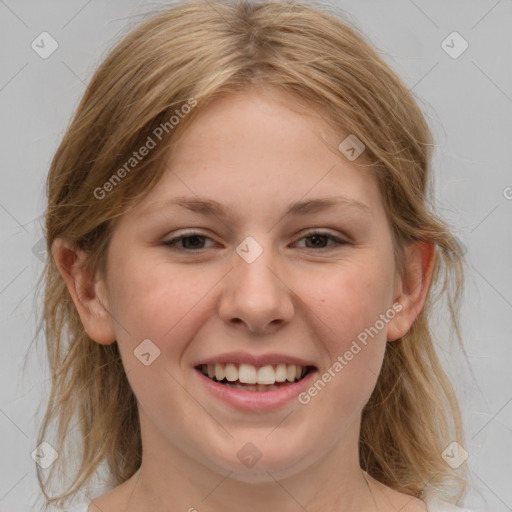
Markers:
<point>413,288</point>
<point>89,296</point>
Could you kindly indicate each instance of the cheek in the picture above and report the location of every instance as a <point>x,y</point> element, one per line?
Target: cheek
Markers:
<point>156,301</point>
<point>347,311</point>
<point>351,299</point>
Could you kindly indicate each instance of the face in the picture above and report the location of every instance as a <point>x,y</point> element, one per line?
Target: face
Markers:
<point>258,284</point>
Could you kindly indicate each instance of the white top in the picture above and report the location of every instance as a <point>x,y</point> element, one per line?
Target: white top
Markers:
<point>80,508</point>
<point>433,505</point>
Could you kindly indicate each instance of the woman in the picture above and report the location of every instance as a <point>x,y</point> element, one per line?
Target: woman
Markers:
<point>243,273</point>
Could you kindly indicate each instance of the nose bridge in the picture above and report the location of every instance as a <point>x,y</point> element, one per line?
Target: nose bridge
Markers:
<point>256,263</point>
<point>257,294</point>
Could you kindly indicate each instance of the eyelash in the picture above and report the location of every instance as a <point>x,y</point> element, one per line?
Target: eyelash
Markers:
<point>172,243</point>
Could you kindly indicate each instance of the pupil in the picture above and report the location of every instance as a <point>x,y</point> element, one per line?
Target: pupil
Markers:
<point>188,238</point>
<point>316,237</point>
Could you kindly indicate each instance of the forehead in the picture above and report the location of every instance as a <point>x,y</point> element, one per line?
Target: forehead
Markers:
<point>252,149</point>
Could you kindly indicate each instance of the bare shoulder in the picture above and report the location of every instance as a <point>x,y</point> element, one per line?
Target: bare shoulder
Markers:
<point>111,500</point>
<point>115,499</point>
<point>391,500</point>
<point>407,503</point>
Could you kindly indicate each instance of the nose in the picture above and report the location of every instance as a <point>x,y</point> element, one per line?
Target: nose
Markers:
<point>256,295</point>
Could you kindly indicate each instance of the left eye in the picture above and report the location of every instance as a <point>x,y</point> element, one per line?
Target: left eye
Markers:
<point>318,236</point>
<point>191,241</point>
<point>186,237</point>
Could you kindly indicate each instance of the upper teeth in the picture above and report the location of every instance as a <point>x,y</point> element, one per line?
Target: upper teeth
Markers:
<point>249,374</point>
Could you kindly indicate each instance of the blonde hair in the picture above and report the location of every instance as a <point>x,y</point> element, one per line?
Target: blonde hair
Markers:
<point>202,50</point>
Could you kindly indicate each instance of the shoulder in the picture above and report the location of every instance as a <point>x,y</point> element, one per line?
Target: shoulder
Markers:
<point>438,505</point>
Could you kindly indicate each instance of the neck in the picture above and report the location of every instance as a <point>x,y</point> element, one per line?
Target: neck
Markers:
<point>170,480</point>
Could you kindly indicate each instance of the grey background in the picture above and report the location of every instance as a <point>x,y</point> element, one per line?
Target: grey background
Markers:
<point>468,103</point>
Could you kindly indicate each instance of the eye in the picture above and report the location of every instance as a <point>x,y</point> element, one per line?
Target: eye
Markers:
<point>194,240</point>
<point>319,237</point>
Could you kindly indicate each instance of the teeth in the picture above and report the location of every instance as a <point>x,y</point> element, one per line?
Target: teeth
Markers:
<point>249,374</point>
<point>219,371</point>
<point>281,373</point>
<point>291,373</point>
<point>231,372</point>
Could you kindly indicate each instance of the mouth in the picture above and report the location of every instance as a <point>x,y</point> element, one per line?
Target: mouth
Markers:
<point>247,377</point>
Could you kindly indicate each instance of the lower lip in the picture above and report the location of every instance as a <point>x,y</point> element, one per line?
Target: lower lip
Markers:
<point>257,400</point>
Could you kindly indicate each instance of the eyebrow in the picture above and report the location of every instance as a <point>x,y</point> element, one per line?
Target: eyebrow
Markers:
<point>206,206</point>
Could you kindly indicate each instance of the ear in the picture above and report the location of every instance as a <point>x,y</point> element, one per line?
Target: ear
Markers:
<point>88,294</point>
<point>412,289</point>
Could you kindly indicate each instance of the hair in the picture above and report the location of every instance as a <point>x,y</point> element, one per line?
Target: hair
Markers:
<point>201,51</point>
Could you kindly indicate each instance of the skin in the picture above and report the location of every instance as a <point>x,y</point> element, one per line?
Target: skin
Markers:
<point>256,153</point>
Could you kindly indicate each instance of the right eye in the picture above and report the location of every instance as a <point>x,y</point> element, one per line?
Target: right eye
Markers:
<point>192,240</point>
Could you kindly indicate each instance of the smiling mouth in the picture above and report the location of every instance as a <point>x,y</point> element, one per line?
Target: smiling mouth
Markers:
<point>247,377</point>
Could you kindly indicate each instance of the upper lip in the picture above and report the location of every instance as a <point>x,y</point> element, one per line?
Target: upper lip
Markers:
<point>255,360</point>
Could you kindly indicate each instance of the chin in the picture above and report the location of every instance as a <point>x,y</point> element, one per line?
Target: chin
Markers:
<point>265,469</point>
